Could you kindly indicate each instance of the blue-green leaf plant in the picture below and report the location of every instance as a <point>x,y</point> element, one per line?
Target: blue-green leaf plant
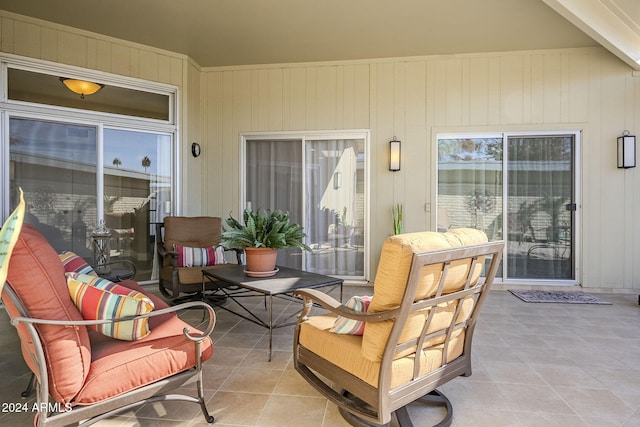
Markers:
<point>263,228</point>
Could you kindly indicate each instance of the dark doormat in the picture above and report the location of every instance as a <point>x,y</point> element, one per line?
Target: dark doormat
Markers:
<point>568,297</point>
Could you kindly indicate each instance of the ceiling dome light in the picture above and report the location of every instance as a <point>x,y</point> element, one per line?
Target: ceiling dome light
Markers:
<point>81,87</point>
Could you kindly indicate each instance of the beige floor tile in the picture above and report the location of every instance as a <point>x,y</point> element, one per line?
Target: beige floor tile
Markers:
<point>292,384</point>
<point>471,394</point>
<point>307,412</point>
<point>170,410</point>
<point>232,408</point>
<point>259,359</point>
<point>535,398</point>
<point>251,380</point>
<point>511,372</point>
<point>478,417</point>
<point>332,417</point>
<point>227,356</point>
<point>240,341</point>
<point>596,403</point>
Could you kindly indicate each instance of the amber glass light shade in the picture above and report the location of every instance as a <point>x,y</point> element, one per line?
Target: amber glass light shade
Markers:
<point>81,87</point>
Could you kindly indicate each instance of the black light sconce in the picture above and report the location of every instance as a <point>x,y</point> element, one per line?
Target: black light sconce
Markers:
<point>626,151</point>
<point>195,149</point>
<point>394,155</point>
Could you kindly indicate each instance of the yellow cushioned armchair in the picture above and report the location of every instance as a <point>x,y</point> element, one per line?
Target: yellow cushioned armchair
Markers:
<point>427,294</point>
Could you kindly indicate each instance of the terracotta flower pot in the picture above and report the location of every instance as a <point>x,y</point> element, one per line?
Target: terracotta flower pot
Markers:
<point>261,262</point>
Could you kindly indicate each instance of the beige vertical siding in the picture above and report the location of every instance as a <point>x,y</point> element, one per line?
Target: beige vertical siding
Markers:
<point>411,98</point>
<point>415,98</point>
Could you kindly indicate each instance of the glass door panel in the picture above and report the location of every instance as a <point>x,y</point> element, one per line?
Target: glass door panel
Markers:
<point>274,181</point>
<point>335,206</point>
<point>470,184</point>
<point>54,164</point>
<point>137,193</point>
<point>540,211</point>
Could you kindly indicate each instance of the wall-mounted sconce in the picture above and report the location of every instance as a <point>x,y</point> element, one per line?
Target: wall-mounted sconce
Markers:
<point>81,87</point>
<point>394,155</point>
<point>626,151</point>
<point>337,180</point>
<point>195,149</point>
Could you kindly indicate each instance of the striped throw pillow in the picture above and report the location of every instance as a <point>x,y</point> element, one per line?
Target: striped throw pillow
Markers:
<point>75,264</point>
<point>343,325</point>
<point>199,257</point>
<point>99,299</point>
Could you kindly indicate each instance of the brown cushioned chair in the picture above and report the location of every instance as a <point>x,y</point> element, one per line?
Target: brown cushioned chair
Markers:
<point>196,232</point>
<point>80,373</point>
<point>427,294</point>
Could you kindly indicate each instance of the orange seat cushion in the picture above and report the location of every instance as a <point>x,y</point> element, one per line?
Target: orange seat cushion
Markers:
<point>127,365</point>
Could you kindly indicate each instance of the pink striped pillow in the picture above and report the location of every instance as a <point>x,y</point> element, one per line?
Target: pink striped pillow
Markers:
<point>199,257</point>
<point>343,325</point>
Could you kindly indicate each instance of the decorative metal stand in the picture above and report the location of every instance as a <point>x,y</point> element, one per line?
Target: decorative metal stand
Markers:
<point>101,237</point>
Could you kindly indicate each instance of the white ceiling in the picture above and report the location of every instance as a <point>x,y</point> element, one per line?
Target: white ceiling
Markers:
<point>238,32</point>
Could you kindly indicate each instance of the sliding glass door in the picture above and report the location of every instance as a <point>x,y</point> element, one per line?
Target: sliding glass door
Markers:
<point>519,188</point>
<point>321,181</point>
<point>541,210</point>
<point>68,190</point>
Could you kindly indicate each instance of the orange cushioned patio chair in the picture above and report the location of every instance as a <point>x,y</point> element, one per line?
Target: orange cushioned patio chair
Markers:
<point>82,374</point>
<point>416,332</point>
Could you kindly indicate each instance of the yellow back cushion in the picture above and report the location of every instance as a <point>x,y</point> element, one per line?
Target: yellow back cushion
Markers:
<point>393,273</point>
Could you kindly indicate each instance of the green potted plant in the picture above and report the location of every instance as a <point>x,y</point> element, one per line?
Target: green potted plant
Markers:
<point>396,213</point>
<point>260,235</point>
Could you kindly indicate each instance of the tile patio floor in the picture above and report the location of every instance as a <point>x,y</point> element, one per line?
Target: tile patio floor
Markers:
<point>534,365</point>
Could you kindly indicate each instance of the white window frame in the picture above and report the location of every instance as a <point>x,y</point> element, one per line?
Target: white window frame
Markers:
<point>304,136</point>
<point>19,109</point>
<point>577,238</point>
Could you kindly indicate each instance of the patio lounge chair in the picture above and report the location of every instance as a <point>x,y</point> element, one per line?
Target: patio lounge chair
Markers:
<point>81,373</point>
<point>427,295</point>
<point>182,281</point>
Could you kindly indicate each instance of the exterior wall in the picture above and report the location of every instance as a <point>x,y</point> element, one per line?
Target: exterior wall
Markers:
<point>414,99</point>
<point>410,98</point>
<point>43,40</point>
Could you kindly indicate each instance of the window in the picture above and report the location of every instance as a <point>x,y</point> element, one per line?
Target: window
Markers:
<point>109,157</point>
<point>41,88</point>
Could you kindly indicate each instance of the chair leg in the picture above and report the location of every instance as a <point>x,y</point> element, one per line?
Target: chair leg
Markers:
<point>27,391</point>
<point>208,418</point>
<point>434,397</point>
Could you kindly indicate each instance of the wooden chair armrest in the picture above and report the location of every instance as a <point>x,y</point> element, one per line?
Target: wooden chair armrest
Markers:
<point>311,296</point>
<point>163,252</point>
<point>186,331</point>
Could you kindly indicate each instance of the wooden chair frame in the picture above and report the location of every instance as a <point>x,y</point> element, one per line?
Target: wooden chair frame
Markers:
<point>369,405</point>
